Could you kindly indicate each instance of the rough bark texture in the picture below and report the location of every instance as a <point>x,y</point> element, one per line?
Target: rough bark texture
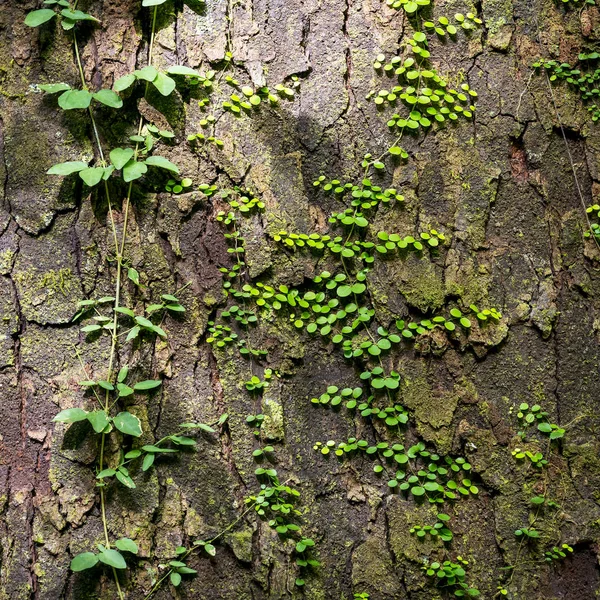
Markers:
<point>503,190</point>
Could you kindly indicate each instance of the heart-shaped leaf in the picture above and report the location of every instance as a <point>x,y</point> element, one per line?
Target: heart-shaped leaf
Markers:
<point>124,82</point>
<point>112,558</point>
<point>38,17</point>
<point>163,163</point>
<point>99,420</point>
<point>127,545</point>
<point>92,175</point>
<point>133,170</point>
<point>67,168</point>
<point>128,424</point>
<point>83,561</point>
<point>119,157</point>
<point>74,99</point>
<point>71,415</point>
<point>164,84</point>
<point>108,98</point>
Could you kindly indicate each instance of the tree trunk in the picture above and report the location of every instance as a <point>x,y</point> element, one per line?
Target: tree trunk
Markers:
<point>500,187</point>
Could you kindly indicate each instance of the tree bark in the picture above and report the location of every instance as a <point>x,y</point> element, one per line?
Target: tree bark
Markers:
<point>502,189</point>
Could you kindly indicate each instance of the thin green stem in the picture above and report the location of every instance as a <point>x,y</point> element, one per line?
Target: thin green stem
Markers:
<point>119,251</point>
<point>117,294</point>
<point>188,552</point>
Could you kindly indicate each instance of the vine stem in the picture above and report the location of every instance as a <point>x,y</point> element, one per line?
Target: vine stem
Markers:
<point>119,251</point>
<point>118,287</point>
<point>170,570</point>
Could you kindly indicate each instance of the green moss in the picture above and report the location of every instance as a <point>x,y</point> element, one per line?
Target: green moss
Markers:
<point>241,544</point>
<point>273,426</point>
<point>7,258</point>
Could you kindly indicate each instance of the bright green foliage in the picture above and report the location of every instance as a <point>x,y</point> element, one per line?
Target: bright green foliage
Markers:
<point>526,533</point>
<point>425,95</point>
<point>579,2</point>
<point>275,504</point>
<point>534,415</point>
<point>439,531</point>
<point>255,384</point>
<point>39,17</point>
<point>583,81</point>
<point>416,471</point>
<point>558,554</point>
<point>410,7</point>
<point>67,16</point>
<point>536,458</point>
<point>83,561</point>
<point>451,576</point>
<point>593,213</point>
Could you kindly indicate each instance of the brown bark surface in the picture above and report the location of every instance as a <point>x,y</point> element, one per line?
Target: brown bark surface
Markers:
<point>500,187</point>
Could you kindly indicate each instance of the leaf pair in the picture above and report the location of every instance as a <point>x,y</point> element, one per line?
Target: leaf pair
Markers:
<point>108,556</point>
<point>162,82</point>
<point>125,422</point>
<point>71,99</point>
<point>132,169</point>
<point>69,17</point>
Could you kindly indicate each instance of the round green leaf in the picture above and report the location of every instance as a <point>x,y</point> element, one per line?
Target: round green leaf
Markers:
<point>74,99</point>
<point>119,157</point>
<point>128,424</point>
<point>108,98</point>
<point>71,415</point>
<point>163,163</point>
<point>83,561</point>
<point>127,545</point>
<point>112,558</point>
<point>38,17</point>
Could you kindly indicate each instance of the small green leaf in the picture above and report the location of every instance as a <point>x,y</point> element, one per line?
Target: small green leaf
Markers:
<point>124,82</point>
<point>38,17</point>
<point>112,558</point>
<point>119,157</point>
<point>129,424</point>
<point>124,390</point>
<point>108,98</point>
<point>182,70</point>
<point>153,2</point>
<point>125,480</point>
<point>67,168</point>
<point>201,426</point>
<point>127,545</point>
<point>54,88</point>
<point>164,84</point>
<point>105,473</point>
<point>148,73</point>
<point>175,578</point>
<point>83,561</point>
<point>149,384</point>
<point>163,163</point>
<point>148,461</point>
<point>99,420</point>
<point>133,170</point>
<point>71,415</point>
<point>92,175</point>
<point>135,331</point>
<point>77,15</point>
<point>74,99</point>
